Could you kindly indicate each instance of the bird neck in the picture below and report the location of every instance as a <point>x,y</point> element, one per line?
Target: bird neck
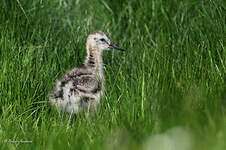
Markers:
<point>94,60</point>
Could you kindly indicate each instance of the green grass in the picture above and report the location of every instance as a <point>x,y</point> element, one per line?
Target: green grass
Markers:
<point>169,85</point>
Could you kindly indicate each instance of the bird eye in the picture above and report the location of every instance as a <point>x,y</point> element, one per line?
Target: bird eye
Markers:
<point>103,40</point>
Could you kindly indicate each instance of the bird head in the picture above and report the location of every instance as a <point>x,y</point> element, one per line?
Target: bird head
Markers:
<point>99,41</point>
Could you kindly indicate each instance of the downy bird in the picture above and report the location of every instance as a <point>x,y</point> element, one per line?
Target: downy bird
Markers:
<point>81,88</point>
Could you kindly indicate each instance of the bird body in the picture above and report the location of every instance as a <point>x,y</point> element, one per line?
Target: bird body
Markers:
<point>81,88</point>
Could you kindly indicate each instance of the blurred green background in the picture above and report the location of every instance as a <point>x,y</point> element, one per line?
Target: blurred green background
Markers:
<point>166,92</point>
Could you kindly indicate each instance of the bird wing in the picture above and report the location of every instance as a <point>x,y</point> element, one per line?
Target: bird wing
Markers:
<point>88,84</point>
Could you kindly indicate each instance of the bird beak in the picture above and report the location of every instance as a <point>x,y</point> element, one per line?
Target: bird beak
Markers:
<point>111,45</point>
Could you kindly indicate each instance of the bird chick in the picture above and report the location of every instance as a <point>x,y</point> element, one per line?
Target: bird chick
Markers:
<point>81,88</point>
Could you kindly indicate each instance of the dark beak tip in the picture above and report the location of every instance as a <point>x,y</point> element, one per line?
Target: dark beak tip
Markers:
<point>122,49</point>
<point>113,46</point>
